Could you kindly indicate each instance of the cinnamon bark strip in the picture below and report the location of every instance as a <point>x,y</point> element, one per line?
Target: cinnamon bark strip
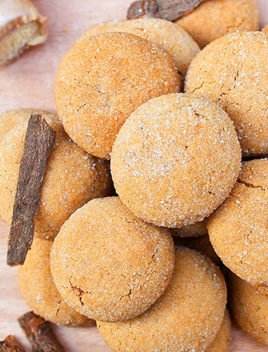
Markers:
<point>11,344</point>
<point>39,333</point>
<point>170,10</point>
<point>38,145</point>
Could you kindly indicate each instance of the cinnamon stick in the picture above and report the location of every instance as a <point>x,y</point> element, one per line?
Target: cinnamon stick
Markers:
<point>38,145</point>
<point>39,333</point>
<point>11,344</point>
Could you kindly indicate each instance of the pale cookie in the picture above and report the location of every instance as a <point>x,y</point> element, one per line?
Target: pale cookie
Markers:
<point>186,318</point>
<point>195,230</point>
<point>232,71</point>
<point>215,18</point>
<point>163,33</point>
<point>223,338</point>
<point>38,289</point>
<point>175,160</point>
<point>103,79</point>
<point>238,229</point>
<point>72,178</point>
<point>108,264</point>
<point>250,309</point>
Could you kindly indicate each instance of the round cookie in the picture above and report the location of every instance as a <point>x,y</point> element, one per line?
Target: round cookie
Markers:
<point>38,289</point>
<point>222,340</point>
<point>72,178</point>
<point>237,79</point>
<point>195,230</point>
<point>249,309</point>
<point>103,79</point>
<point>238,229</point>
<point>215,18</point>
<point>201,244</point>
<point>108,264</point>
<point>186,318</point>
<point>265,29</point>
<point>165,34</point>
<point>168,163</point>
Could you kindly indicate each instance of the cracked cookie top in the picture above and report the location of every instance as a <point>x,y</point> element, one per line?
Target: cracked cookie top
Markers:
<point>110,265</point>
<point>186,318</point>
<point>175,160</point>
<point>238,229</point>
<point>39,291</point>
<point>103,79</point>
<point>232,71</point>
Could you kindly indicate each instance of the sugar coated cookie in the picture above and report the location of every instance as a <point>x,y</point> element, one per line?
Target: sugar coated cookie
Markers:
<point>214,18</point>
<point>72,178</point>
<point>232,71</point>
<point>186,318</point>
<point>265,29</point>
<point>108,264</point>
<point>103,79</point>
<point>38,289</point>
<point>250,309</point>
<point>165,34</point>
<point>175,160</point>
<point>195,230</point>
<point>238,229</point>
<point>222,340</point>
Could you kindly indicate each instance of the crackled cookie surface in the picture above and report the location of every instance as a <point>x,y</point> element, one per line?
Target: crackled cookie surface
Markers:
<point>186,318</point>
<point>238,229</point>
<point>250,309</point>
<point>103,79</point>
<point>72,178</point>
<point>108,264</point>
<point>232,71</point>
<point>222,339</point>
<point>213,19</point>
<point>38,289</point>
<point>163,33</point>
<point>175,160</point>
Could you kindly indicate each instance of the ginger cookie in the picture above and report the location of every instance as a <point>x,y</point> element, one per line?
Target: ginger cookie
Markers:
<point>238,229</point>
<point>175,160</point>
<point>103,79</point>
<point>110,265</point>
<point>175,40</point>
<point>223,338</point>
<point>249,309</point>
<point>237,79</point>
<point>38,289</point>
<point>265,29</point>
<point>215,18</point>
<point>72,178</point>
<point>195,230</point>
<point>186,318</point>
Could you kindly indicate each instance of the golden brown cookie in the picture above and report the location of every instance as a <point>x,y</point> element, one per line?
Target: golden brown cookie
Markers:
<point>186,318</point>
<point>175,160</point>
<point>163,33</point>
<point>103,79</point>
<point>238,229</point>
<point>265,29</point>
<point>72,178</point>
<point>108,264</point>
<point>222,339</point>
<point>201,244</point>
<point>232,72</point>
<point>215,18</point>
<point>38,289</point>
<point>250,309</point>
<point>195,230</point>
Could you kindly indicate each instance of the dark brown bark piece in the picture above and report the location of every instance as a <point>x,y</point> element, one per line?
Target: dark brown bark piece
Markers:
<point>39,333</point>
<point>170,10</point>
<point>38,145</point>
<point>11,344</point>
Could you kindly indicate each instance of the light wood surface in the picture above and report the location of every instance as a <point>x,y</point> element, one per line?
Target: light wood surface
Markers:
<point>29,83</point>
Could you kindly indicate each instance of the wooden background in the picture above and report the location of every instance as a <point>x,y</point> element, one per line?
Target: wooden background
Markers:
<point>29,83</point>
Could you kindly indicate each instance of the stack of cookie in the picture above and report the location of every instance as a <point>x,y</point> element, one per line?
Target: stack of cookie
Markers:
<point>175,123</point>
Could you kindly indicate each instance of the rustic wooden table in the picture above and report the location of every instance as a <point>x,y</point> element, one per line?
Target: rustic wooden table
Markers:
<point>29,83</point>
